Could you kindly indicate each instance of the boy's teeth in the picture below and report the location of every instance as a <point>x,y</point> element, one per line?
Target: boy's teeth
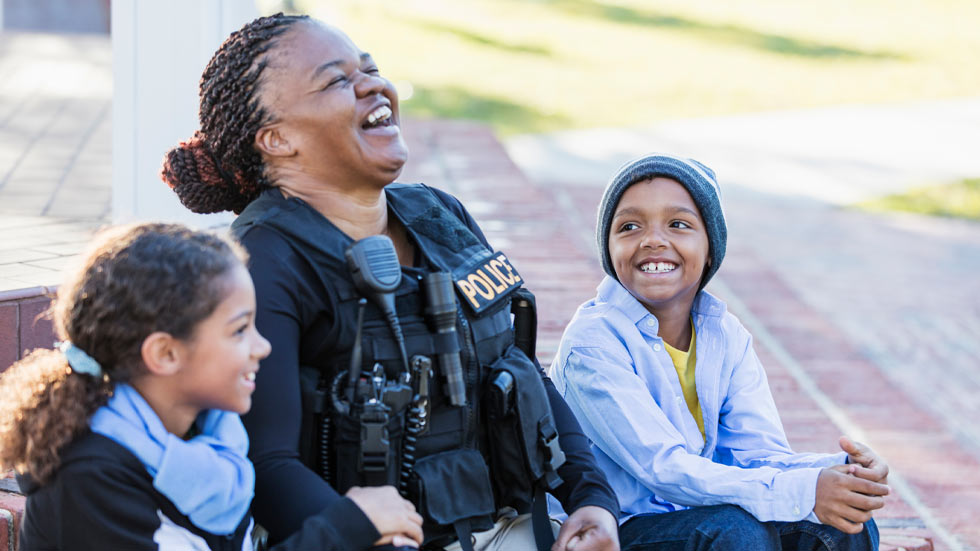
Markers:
<point>657,267</point>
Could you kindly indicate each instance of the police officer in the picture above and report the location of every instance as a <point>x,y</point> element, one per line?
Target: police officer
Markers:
<point>406,377</point>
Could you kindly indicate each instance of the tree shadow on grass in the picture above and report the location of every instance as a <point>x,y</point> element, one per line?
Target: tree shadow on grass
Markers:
<point>481,39</point>
<point>732,34</point>
<point>455,103</point>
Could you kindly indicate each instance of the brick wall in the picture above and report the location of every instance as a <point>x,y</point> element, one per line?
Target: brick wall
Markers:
<point>23,327</point>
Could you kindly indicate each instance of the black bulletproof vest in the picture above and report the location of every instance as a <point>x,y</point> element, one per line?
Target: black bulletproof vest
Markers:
<point>455,457</point>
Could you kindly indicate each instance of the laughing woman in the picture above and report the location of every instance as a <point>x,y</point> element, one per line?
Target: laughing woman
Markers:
<point>300,135</point>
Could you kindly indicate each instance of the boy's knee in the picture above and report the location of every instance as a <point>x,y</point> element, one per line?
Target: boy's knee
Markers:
<point>807,536</point>
<point>730,523</point>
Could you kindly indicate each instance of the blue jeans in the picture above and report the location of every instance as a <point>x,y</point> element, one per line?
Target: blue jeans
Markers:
<point>728,527</point>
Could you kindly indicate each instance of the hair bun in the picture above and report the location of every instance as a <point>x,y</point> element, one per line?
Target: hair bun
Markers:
<point>190,170</point>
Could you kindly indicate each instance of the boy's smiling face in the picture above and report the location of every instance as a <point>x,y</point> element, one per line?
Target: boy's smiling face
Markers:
<point>658,244</point>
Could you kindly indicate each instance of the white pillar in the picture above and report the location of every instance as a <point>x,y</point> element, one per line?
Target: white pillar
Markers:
<point>159,50</point>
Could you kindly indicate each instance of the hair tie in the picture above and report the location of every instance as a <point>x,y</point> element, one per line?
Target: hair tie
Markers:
<point>79,361</point>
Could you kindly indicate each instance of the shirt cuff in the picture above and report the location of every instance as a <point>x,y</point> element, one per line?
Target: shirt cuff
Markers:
<point>796,492</point>
<point>351,524</point>
<point>612,507</point>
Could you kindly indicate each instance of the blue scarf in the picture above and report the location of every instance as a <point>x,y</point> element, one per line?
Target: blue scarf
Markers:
<point>209,478</point>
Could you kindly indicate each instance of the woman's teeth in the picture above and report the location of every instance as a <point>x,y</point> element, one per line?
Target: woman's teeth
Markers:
<point>378,116</point>
<point>658,267</point>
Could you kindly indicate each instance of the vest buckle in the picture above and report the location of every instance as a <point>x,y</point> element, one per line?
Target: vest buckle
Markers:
<point>375,457</point>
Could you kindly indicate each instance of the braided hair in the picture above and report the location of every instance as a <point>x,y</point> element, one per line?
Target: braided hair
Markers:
<point>219,168</point>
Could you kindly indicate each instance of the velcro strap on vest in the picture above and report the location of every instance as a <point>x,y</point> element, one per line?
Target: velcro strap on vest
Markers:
<point>445,343</point>
<point>464,533</point>
<point>544,537</point>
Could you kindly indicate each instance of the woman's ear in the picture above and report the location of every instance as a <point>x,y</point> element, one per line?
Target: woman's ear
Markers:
<point>271,140</point>
<point>162,353</point>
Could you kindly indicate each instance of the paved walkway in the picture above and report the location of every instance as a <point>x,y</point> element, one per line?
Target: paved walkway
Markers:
<point>55,151</point>
<point>867,324</point>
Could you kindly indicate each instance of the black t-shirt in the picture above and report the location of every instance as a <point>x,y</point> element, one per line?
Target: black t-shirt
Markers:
<point>295,313</point>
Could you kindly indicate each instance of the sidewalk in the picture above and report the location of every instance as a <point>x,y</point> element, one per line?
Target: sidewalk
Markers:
<point>55,151</point>
<point>854,315</point>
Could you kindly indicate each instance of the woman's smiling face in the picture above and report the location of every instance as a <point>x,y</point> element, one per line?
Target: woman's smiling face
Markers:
<point>329,101</point>
<point>658,244</point>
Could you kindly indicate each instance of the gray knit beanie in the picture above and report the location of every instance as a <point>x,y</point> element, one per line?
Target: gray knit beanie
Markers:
<point>699,181</point>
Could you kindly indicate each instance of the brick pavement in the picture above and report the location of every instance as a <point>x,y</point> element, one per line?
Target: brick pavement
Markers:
<point>902,288</point>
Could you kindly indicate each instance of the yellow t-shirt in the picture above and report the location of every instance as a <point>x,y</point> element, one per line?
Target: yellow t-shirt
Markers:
<point>684,363</point>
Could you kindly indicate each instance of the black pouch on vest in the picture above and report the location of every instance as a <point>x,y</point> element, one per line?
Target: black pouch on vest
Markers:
<point>524,450</point>
<point>366,448</point>
<point>452,490</point>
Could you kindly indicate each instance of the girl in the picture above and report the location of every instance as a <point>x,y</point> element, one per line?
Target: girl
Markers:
<point>128,436</point>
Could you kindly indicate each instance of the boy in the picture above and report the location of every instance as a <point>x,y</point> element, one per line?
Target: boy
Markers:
<point>667,386</point>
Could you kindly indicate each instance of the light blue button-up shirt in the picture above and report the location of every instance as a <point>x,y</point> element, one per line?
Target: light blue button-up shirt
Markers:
<point>613,371</point>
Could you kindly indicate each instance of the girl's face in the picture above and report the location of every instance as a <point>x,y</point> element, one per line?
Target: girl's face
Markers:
<point>222,356</point>
<point>332,105</point>
<point>658,244</point>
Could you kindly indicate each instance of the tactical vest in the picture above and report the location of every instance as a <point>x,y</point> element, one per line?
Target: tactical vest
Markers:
<point>467,461</point>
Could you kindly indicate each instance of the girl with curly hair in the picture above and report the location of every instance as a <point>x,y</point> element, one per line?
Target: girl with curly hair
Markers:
<point>128,435</point>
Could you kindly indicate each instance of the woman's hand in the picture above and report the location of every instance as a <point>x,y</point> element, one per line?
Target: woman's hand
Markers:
<point>392,515</point>
<point>845,501</point>
<point>589,528</point>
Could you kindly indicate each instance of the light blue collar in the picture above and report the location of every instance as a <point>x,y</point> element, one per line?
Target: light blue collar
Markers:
<point>208,478</point>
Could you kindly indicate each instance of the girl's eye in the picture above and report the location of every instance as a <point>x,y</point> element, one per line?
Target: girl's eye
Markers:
<point>241,330</point>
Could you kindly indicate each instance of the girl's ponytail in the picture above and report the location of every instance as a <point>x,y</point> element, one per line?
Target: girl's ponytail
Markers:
<point>45,405</point>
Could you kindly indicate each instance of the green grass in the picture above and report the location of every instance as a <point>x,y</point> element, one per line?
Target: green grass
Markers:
<point>538,65</point>
<point>957,200</point>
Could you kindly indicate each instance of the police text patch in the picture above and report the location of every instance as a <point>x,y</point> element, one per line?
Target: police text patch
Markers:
<point>482,284</point>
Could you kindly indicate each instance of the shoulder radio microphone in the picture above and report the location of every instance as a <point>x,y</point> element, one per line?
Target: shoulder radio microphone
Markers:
<point>374,266</point>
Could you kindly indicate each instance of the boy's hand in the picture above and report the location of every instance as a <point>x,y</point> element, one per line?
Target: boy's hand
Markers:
<point>844,501</point>
<point>589,528</point>
<point>394,517</point>
<point>872,467</point>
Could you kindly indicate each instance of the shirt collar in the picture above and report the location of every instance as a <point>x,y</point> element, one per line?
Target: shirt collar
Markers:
<point>612,291</point>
